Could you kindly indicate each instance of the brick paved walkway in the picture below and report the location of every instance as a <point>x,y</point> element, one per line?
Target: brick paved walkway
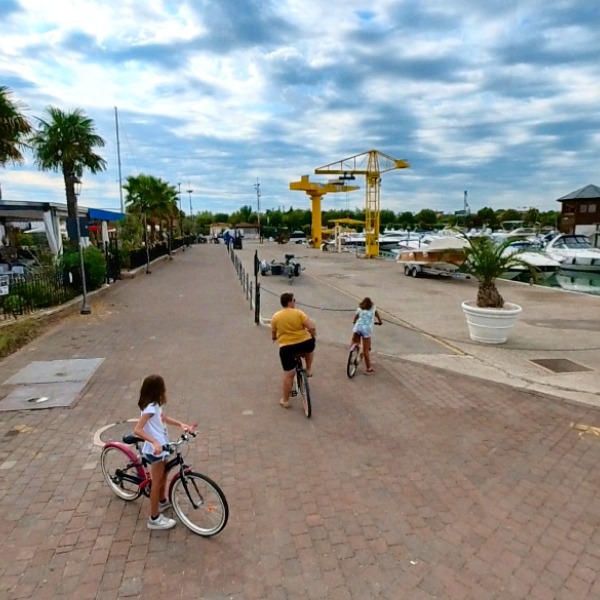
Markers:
<point>413,484</point>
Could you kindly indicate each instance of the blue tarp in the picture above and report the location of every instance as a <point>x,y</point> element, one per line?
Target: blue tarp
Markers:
<point>105,215</point>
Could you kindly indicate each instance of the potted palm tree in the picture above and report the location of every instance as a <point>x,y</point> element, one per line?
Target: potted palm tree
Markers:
<point>489,317</point>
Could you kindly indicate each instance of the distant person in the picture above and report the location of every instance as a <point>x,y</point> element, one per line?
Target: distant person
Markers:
<point>295,333</point>
<point>152,428</point>
<point>364,318</point>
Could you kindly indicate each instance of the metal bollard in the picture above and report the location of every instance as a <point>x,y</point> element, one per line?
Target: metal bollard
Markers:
<point>257,305</point>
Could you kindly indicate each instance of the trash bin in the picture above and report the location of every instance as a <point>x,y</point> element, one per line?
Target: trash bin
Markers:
<point>237,243</point>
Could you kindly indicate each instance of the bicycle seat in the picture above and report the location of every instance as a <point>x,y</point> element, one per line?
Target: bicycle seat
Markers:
<point>129,438</point>
<point>289,256</point>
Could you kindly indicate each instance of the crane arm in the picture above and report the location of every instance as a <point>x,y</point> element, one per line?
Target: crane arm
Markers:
<point>367,163</point>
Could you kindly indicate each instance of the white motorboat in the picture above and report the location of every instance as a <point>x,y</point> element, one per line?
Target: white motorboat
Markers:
<point>532,254</point>
<point>352,241</point>
<point>520,233</point>
<point>397,240</point>
<point>576,252</point>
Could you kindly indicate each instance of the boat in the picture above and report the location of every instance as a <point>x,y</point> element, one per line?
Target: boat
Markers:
<point>531,253</point>
<point>442,255</point>
<point>352,241</point>
<point>519,233</point>
<point>387,241</point>
<point>575,252</point>
<point>395,240</point>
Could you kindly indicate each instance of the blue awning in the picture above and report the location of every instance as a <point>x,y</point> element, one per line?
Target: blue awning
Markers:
<point>105,215</point>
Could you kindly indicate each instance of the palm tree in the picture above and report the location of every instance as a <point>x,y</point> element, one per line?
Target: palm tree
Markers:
<point>14,128</point>
<point>65,142</point>
<point>138,201</point>
<point>154,199</point>
<point>488,261</point>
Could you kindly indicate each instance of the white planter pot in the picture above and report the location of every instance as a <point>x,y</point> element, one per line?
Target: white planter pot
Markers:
<point>490,325</point>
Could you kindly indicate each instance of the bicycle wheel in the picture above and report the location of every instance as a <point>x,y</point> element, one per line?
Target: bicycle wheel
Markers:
<point>353,360</point>
<point>122,472</point>
<point>199,503</point>
<point>304,391</point>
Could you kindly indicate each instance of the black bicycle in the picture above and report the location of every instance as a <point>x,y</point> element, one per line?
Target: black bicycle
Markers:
<point>355,356</point>
<point>300,386</point>
<point>197,500</point>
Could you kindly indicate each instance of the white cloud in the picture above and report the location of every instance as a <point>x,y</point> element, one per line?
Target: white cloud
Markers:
<point>488,98</point>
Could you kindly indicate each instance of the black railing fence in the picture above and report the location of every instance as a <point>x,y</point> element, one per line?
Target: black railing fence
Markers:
<point>251,289</point>
<point>138,258</point>
<point>24,294</point>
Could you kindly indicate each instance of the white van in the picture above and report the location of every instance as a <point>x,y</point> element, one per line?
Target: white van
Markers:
<point>298,237</point>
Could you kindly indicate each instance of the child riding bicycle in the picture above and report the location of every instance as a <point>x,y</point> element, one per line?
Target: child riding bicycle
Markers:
<point>152,428</point>
<point>365,316</point>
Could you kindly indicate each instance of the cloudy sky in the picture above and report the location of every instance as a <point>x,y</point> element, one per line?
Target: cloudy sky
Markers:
<point>499,98</point>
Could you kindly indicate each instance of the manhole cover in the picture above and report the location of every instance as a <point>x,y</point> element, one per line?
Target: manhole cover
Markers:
<point>560,365</point>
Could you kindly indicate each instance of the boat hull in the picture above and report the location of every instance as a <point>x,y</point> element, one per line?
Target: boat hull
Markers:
<point>446,259</point>
<point>591,265</point>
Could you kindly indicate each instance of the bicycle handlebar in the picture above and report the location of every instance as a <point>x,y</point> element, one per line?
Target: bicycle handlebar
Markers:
<point>185,437</point>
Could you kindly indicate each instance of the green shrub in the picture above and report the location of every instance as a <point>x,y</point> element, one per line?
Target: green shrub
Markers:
<point>95,267</point>
<point>13,304</point>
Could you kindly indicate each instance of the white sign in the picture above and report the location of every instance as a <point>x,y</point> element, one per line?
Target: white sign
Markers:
<point>4,287</point>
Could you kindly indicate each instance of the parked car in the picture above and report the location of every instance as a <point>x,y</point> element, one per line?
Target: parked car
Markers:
<point>298,237</point>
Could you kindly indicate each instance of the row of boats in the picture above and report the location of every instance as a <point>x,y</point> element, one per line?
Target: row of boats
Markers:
<point>548,253</point>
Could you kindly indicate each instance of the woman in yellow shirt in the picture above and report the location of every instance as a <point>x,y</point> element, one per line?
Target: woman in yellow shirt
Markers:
<point>295,333</point>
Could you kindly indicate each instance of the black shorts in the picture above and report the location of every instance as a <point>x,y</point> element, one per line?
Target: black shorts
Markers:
<point>287,354</point>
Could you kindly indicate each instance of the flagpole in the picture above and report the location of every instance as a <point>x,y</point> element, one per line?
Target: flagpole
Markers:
<point>119,160</point>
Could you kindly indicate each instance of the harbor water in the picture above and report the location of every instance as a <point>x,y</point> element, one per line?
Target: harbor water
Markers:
<point>573,281</point>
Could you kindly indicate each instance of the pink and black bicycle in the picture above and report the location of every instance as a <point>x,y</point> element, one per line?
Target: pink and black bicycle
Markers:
<point>197,500</point>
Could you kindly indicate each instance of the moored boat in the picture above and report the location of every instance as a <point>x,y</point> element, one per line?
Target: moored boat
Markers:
<point>575,252</point>
<point>532,254</point>
<point>443,254</point>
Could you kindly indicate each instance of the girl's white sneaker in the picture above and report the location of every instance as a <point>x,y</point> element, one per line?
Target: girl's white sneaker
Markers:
<point>161,523</point>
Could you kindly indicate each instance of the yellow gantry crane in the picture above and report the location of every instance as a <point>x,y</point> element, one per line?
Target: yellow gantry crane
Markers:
<point>316,191</point>
<point>371,164</point>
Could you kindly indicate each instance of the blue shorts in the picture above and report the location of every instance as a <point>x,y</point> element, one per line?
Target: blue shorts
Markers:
<point>153,458</point>
<point>366,333</point>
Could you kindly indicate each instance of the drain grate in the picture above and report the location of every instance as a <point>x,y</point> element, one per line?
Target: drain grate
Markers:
<point>560,365</point>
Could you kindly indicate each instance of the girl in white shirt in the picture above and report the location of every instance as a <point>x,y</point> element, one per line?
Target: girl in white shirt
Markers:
<point>152,428</point>
<point>365,316</point>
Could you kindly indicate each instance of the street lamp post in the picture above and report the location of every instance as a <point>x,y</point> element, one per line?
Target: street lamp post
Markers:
<point>85,309</point>
<point>257,188</point>
<point>191,213</point>
<point>180,217</point>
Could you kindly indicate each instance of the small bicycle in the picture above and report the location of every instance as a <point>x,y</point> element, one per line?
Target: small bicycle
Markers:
<point>197,500</point>
<point>355,357</point>
<point>300,386</point>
